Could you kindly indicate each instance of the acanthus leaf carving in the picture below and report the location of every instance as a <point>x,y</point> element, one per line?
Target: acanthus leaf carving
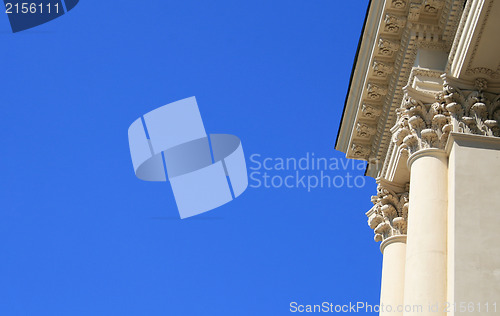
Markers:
<point>390,213</point>
<point>421,125</point>
<point>473,111</point>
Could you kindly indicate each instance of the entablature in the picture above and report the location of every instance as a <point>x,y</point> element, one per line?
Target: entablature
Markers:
<point>385,61</point>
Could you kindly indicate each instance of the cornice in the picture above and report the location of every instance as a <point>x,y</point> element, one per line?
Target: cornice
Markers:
<point>402,28</point>
<point>361,65</point>
<point>471,59</point>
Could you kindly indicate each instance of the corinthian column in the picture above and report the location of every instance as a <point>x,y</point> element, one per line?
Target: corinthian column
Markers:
<point>388,218</point>
<point>424,131</point>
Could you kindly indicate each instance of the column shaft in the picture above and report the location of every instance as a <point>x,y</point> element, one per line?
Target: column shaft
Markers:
<point>393,274</point>
<point>425,275</point>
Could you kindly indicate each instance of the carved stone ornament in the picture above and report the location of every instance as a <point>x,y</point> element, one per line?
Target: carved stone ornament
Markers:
<point>390,214</point>
<point>394,23</point>
<point>375,92</point>
<point>399,4</point>
<point>365,130</point>
<point>371,111</point>
<point>494,74</point>
<point>422,125</point>
<point>433,6</point>
<point>473,112</point>
<point>414,12</point>
<point>381,69</point>
<point>387,47</point>
<point>360,151</point>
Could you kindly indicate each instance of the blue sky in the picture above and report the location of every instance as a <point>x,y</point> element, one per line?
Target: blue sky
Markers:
<point>81,235</point>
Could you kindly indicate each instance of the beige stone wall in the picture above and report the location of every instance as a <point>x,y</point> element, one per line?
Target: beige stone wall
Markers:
<point>474,222</point>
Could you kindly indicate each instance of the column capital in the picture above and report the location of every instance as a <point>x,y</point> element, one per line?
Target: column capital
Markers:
<point>473,109</point>
<point>461,107</point>
<point>388,217</point>
<point>421,125</point>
